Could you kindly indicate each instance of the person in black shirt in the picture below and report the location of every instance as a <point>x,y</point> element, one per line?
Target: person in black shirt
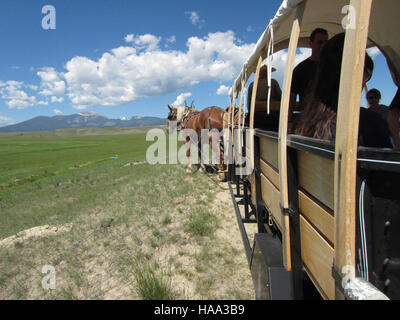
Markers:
<point>304,73</point>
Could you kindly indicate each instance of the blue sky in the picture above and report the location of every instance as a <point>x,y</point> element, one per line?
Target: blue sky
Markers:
<point>123,58</point>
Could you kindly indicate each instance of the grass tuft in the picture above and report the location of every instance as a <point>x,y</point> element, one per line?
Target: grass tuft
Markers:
<point>151,285</point>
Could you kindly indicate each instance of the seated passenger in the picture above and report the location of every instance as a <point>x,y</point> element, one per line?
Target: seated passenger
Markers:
<point>319,118</point>
<point>261,118</point>
<point>305,71</point>
<point>373,99</point>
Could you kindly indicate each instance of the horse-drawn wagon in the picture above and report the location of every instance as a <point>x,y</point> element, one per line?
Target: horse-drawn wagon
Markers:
<point>328,212</point>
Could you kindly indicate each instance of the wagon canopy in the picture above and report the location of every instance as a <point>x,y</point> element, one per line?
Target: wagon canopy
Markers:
<point>328,14</point>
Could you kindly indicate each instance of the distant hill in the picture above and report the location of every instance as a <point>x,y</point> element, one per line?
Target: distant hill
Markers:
<point>81,120</point>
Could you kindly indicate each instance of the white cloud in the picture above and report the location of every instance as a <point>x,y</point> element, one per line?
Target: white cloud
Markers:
<point>57,112</point>
<point>171,39</point>
<point>32,87</point>
<point>280,58</point>
<point>147,41</point>
<point>58,100</point>
<point>131,72</point>
<point>195,19</point>
<point>6,121</point>
<point>223,90</point>
<point>15,96</point>
<point>180,100</point>
<point>51,83</point>
<point>125,74</point>
<point>373,52</point>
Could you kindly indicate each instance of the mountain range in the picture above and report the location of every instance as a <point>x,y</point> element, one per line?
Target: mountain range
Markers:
<point>81,120</point>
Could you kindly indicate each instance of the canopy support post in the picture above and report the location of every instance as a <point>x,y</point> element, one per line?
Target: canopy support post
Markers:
<point>282,140</point>
<point>346,145</point>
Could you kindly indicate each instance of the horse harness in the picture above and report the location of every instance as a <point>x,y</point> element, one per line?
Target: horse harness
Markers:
<point>187,116</point>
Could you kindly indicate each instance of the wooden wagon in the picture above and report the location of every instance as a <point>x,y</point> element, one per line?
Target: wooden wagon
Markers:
<point>327,212</point>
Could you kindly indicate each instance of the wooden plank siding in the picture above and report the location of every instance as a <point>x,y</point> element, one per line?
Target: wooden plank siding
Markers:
<point>271,197</point>
<point>322,218</point>
<point>316,202</point>
<point>318,216</point>
<point>269,151</point>
<point>316,176</point>
<point>317,256</point>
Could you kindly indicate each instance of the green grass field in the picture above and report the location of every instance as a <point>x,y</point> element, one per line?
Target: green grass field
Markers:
<point>54,166</point>
<point>112,228</point>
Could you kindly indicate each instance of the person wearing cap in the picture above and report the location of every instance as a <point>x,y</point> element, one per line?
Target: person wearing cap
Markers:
<point>262,90</point>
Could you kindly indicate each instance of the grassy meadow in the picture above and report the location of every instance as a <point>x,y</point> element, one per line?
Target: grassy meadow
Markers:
<point>112,228</point>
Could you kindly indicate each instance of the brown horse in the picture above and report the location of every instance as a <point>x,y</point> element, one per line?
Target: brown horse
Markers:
<point>210,118</point>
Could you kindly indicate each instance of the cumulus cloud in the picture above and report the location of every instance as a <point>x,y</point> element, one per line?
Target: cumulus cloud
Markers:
<point>51,83</point>
<point>13,92</point>
<point>57,112</point>
<point>195,19</point>
<point>138,69</point>
<point>180,100</point>
<point>6,121</point>
<point>126,74</point>
<point>57,100</point>
<point>146,42</point>
<point>223,90</point>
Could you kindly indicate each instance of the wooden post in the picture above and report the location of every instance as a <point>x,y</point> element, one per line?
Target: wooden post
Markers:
<point>347,140</point>
<point>282,142</point>
<point>250,151</point>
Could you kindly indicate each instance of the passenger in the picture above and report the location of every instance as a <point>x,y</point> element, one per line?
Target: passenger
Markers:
<point>304,73</point>
<point>373,99</point>
<point>262,90</point>
<point>319,118</point>
<point>394,119</point>
<point>261,118</point>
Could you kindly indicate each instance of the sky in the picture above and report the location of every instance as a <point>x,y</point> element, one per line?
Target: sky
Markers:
<point>123,58</point>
